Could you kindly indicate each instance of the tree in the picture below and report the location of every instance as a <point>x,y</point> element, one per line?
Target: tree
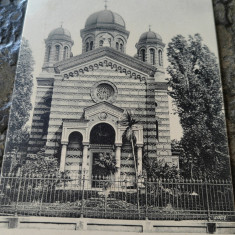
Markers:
<point>159,169</point>
<point>21,106</point>
<point>38,164</point>
<point>129,135</point>
<point>105,165</point>
<point>197,96</point>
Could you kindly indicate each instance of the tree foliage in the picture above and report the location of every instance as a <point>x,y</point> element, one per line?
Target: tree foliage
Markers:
<point>196,92</point>
<point>129,121</point>
<point>18,134</point>
<point>21,102</point>
<point>159,169</point>
<point>105,164</point>
<point>38,164</point>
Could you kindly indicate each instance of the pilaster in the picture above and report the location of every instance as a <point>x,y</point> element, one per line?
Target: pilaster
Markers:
<point>163,143</point>
<point>118,162</point>
<point>63,156</point>
<point>85,167</point>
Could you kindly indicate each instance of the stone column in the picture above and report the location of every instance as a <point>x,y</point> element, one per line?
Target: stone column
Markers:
<point>85,167</point>
<point>118,162</point>
<point>63,156</point>
<point>139,157</point>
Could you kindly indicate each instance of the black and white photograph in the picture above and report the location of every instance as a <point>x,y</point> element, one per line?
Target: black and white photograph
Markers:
<point>117,120</point>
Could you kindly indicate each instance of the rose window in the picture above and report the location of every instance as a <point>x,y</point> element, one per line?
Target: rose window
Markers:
<point>104,92</point>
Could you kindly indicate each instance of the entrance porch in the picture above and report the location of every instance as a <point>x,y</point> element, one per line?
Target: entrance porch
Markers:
<point>99,140</point>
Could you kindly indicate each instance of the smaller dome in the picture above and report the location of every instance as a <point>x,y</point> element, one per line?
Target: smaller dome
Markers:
<point>150,36</point>
<point>60,34</point>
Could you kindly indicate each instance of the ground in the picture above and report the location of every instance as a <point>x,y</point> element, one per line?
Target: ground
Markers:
<point>62,232</point>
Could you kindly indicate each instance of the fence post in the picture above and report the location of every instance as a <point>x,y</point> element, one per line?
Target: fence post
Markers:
<point>106,181</point>
<point>207,200</point>
<point>146,198</point>
<point>125,181</point>
<point>18,194</point>
<point>83,184</point>
<point>41,201</point>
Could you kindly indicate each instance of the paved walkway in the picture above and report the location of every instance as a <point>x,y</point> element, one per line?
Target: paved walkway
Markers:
<point>68,232</point>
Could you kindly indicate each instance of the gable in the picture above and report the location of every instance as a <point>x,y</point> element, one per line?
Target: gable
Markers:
<point>105,57</point>
<point>103,108</point>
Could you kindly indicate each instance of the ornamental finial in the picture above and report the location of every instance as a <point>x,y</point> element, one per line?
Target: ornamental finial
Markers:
<point>105,5</point>
<point>149,28</point>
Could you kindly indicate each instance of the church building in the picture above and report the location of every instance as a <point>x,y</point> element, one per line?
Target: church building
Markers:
<point>80,100</point>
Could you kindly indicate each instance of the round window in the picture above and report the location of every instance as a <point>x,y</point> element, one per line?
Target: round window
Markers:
<point>104,91</point>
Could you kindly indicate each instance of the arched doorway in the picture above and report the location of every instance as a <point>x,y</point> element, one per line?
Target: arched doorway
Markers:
<point>73,162</point>
<point>102,139</point>
<point>102,134</point>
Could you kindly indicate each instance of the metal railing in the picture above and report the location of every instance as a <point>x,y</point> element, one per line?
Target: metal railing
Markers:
<point>103,197</point>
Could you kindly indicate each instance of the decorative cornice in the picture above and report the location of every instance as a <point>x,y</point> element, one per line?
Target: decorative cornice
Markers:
<point>161,86</point>
<point>110,53</point>
<point>45,81</point>
<point>149,42</point>
<point>64,142</point>
<point>75,120</point>
<point>98,27</point>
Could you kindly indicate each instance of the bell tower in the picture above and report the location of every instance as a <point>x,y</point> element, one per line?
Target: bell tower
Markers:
<point>58,47</point>
<point>150,49</point>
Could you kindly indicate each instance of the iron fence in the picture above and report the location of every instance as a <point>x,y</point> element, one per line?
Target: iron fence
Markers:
<point>103,197</point>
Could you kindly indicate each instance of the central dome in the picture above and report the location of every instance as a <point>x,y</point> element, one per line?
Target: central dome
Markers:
<point>104,28</point>
<point>105,17</point>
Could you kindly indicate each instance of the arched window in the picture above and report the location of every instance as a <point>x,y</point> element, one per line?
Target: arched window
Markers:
<point>152,56</point>
<point>142,54</point>
<point>66,52</point>
<point>117,45</point>
<point>157,130</point>
<point>121,47</point>
<point>57,53</point>
<point>48,53</point>
<point>91,45</point>
<point>160,57</point>
<point>101,43</point>
<point>87,46</point>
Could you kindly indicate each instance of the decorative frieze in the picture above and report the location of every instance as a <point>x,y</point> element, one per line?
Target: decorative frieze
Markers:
<point>112,55</point>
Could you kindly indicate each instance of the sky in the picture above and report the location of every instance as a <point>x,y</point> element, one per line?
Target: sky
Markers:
<point>166,17</point>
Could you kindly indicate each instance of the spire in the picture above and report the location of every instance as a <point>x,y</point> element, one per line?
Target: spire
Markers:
<point>105,4</point>
<point>149,28</point>
<point>61,24</point>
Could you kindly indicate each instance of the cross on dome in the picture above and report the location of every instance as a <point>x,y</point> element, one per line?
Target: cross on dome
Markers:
<point>105,5</point>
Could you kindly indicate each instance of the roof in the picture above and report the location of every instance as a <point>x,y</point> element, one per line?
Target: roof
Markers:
<point>150,36</point>
<point>60,34</point>
<point>104,17</point>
